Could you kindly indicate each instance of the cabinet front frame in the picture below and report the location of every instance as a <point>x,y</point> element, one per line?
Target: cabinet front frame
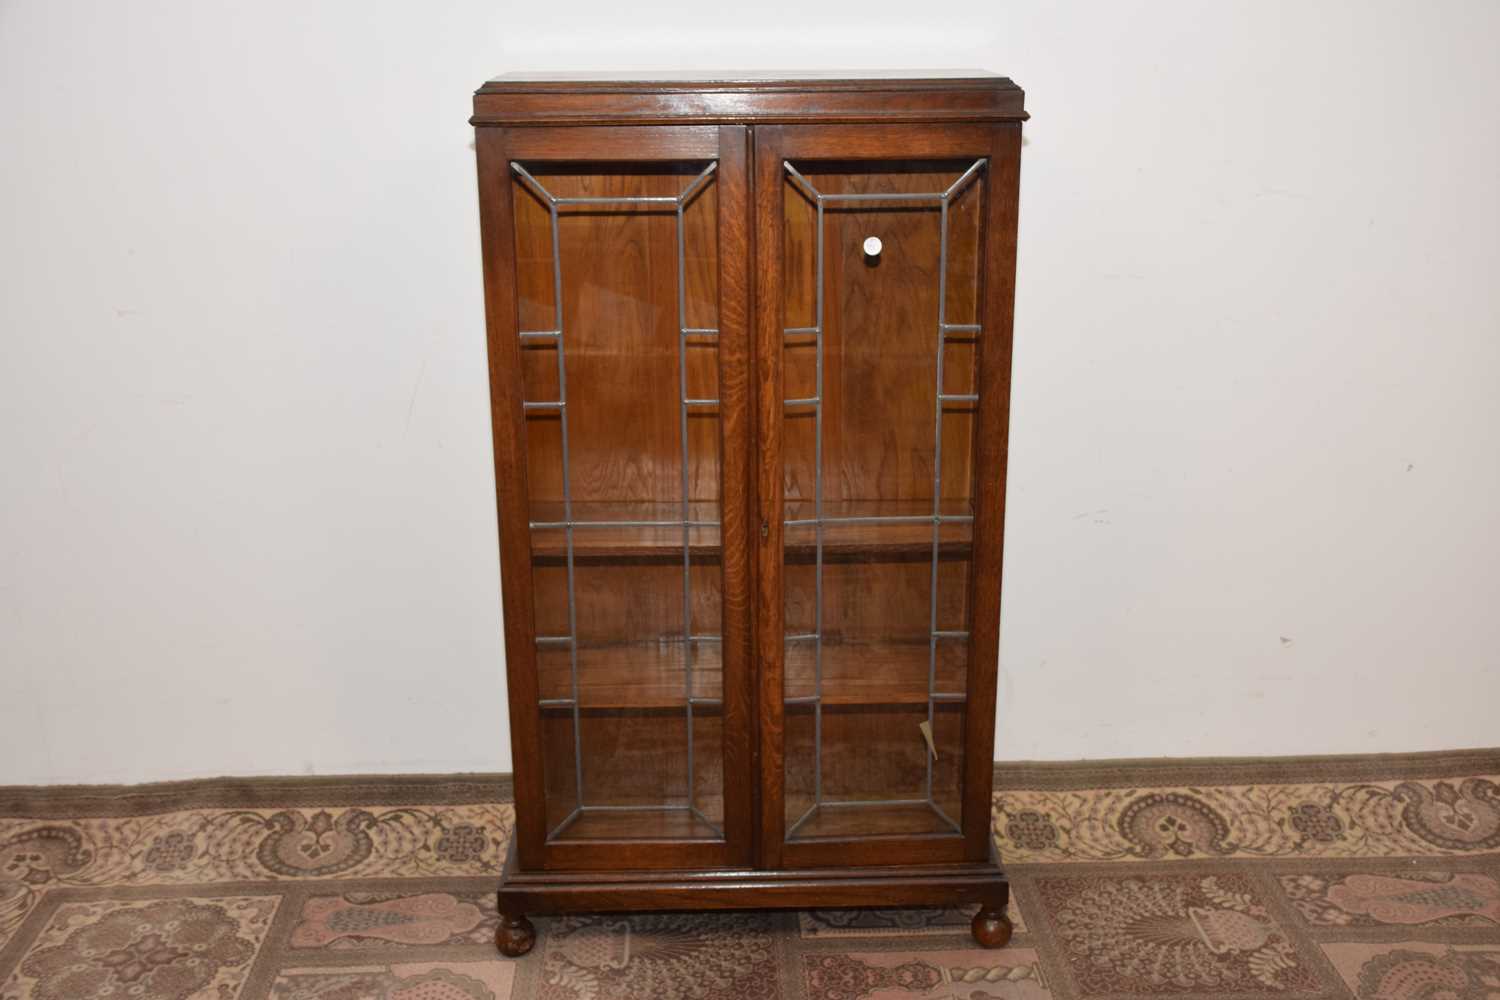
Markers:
<point>496,147</point>
<point>774,145</point>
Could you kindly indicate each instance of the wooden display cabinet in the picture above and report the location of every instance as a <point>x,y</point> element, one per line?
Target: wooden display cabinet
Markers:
<point>749,347</point>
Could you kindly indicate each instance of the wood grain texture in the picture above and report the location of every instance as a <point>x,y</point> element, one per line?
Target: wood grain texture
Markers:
<point>980,98</point>
<point>687,888</point>
<point>879,387</point>
<point>620,143</point>
<point>619,311</point>
<point>991,927</point>
<point>770,622</point>
<point>737,612</point>
<point>515,935</point>
<point>509,436</point>
<point>998,291</point>
<point>748,272</point>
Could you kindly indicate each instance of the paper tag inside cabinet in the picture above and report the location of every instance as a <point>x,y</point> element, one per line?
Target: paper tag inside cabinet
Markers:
<point>926,728</point>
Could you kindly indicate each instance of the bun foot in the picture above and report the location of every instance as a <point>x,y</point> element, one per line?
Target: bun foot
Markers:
<point>515,935</point>
<point>992,928</point>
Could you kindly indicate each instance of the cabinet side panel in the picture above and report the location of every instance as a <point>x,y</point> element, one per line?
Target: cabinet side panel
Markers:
<point>508,429</point>
<point>998,297</point>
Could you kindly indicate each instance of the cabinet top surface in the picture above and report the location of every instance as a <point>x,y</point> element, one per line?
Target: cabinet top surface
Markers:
<point>734,96</point>
<point>680,78</point>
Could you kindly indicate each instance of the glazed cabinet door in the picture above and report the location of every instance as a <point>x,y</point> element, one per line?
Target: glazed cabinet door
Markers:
<point>616,299</point>
<point>884,290</point>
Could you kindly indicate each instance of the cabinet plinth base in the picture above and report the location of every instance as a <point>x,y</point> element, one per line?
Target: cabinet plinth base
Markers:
<point>551,892</point>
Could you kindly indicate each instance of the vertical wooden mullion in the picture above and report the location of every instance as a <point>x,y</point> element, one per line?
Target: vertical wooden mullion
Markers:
<point>508,429</point>
<point>770,646</point>
<point>736,544</point>
<point>1002,185</point>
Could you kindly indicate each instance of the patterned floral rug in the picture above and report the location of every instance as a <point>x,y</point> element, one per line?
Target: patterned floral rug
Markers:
<point>1374,877</point>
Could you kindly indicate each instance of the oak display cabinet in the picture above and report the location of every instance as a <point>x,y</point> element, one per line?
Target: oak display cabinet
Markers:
<point>749,348</point>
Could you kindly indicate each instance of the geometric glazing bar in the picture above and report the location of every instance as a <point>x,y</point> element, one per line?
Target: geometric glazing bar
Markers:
<point>800,522</point>
<point>924,196</point>
<point>873,803</point>
<point>555,334</point>
<point>664,200</point>
<point>567,822</point>
<point>791,831</point>
<point>945,817</point>
<point>801,182</point>
<point>964,178</point>
<point>653,200</point>
<point>685,459</point>
<point>813,193</point>
<point>816,402</point>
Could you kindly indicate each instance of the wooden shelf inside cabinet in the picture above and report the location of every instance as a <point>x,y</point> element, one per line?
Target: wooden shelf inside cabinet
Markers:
<point>842,820</point>
<point>653,675</point>
<point>876,529</point>
<point>857,529</point>
<point>874,672</point>
<point>637,530</point>
<point>624,823</point>
<point>637,675</point>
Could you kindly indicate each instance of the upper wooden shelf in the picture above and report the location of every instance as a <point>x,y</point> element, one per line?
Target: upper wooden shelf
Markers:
<point>748,98</point>
<point>631,675</point>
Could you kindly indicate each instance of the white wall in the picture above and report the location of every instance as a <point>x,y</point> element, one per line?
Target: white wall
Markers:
<point>246,522</point>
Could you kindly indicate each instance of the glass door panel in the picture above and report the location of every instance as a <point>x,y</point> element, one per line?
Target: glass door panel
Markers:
<point>617,269</point>
<point>881,280</point>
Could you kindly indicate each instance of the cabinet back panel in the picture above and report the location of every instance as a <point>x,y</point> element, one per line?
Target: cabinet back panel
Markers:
<point>880,319</point>
<point>620,322</point>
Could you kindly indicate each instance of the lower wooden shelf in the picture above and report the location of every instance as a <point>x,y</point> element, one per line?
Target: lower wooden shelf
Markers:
<point>647,675</point>
<point>644,823</point>
<point>864,820</point>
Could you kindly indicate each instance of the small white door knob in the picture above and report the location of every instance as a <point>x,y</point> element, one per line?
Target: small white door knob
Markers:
<point>873,246</point>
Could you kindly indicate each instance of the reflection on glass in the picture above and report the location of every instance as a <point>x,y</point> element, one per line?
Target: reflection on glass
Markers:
<point>617,293</point>
<point>881,267</point>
